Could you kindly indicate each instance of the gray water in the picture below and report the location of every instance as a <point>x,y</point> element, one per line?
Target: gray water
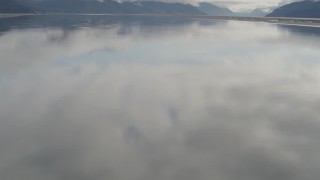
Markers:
<point>151,98</point>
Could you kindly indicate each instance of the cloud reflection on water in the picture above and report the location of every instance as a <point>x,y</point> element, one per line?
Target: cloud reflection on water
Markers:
<point>230,101</point>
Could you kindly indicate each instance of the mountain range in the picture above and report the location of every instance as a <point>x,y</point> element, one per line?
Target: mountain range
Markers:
<point>10,6</point>
<point>302,9</point>
<point>112,6</point>
<point>96,6</point>
<point>214,10</point>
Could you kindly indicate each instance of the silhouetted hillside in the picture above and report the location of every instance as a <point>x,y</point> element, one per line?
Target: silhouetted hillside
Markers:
<point>303,9</point>
<point>95,6</point>
<point>11,6</point>
<point>214,10</point>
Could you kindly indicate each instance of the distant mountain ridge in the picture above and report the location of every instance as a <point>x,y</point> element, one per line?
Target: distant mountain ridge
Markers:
<point>302,9</point>
<point>12,6</point>
<point>95,6</point>
<point>255,13</point>
<point>213,10</point>
<point>114,7</point>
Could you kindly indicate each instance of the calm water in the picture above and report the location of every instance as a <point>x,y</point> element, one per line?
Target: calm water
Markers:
<point>145,98</point>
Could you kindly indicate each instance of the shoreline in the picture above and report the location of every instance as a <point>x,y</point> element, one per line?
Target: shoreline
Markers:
<point>9,15</point>
<point>312,22</point>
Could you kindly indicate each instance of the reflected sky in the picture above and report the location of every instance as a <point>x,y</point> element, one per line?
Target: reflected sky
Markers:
<point>155,98</point>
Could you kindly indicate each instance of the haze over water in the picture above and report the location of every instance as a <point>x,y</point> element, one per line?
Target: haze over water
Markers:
<point>158,98</point>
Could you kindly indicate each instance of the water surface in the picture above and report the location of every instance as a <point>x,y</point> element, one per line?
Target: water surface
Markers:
<point>156,98</point>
